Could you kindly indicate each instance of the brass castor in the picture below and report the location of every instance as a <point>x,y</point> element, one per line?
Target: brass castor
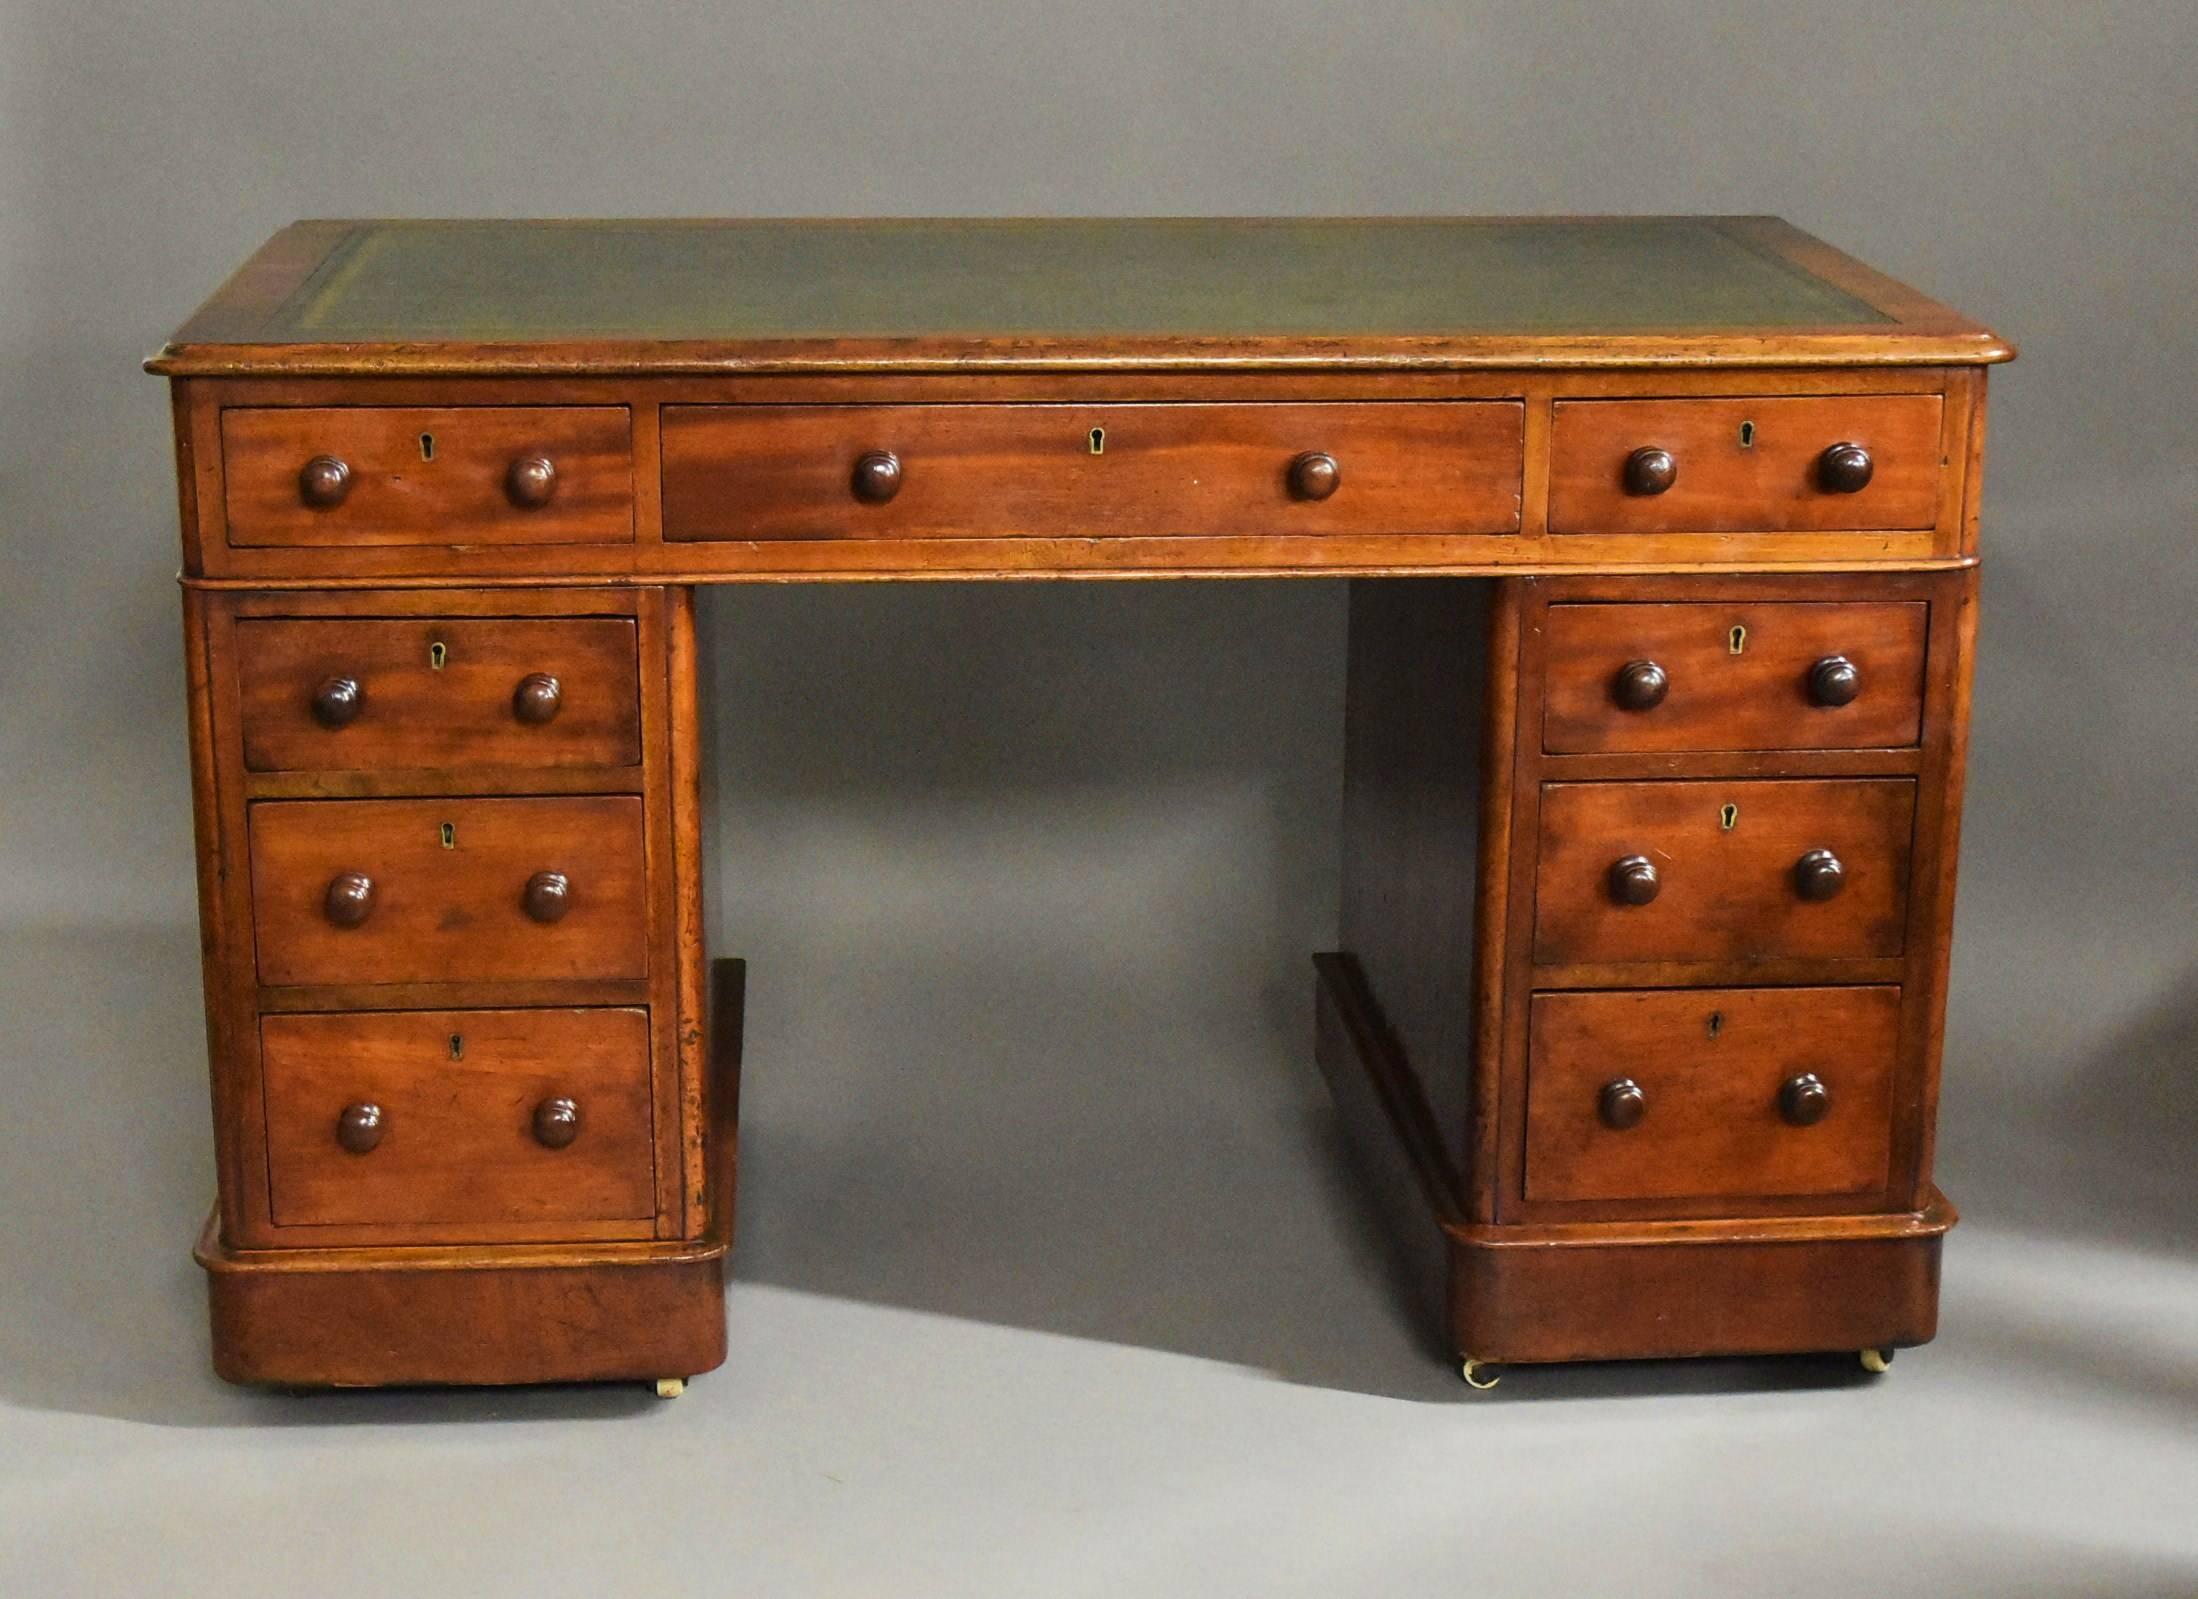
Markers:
<point>1875,1361</point>
<point>670,1387</point>
<point>1477,1373</point>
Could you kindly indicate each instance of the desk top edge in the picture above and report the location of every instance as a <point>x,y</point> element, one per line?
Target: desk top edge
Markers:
<point>370,298</point>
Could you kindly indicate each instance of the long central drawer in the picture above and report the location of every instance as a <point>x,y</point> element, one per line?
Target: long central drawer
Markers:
<point>993,471</point>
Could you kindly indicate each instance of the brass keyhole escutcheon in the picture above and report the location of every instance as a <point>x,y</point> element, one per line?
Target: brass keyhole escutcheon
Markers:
<point>1737,639</point>
<point>450,835</point>
<point>1747,435</point>
<point>427,446</point>
<point>457,1046</point>
<point>438,654</point>
<point>1728,817</point>
<point>1098,441</point>
<point>1717,1022</point>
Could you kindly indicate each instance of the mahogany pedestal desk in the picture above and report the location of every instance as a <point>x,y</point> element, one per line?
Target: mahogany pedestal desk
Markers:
<point>1662,535</point>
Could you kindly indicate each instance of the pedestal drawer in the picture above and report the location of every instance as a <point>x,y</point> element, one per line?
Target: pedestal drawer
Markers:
<point>342,695</point>
<point>993,471</point>
<point>1749,676</point>
<point>1708,871</point>
<point>481,890</point>
<point>1713,1094</point>
<point>460,1119</point>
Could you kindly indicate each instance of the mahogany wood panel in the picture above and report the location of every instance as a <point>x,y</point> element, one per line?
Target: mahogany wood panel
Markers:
<point>1717,697</point>
<point>428,475</point>
<point>1708,1066</point>
<point>1744,465</point>
<point>439,692</point>
<point>972,471</point>
<point>1413,723</point>
<point>1632,1299</point>
<point>367,1317</point>
<point>1722,893</point>
<point>462,1103</point>
<point>455,913</point>
<point>1387,1134</point>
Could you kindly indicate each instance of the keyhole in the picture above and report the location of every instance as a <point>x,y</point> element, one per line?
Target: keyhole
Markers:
<point>437,653</point>
<point>458,1046</point>
<point>1747,435</point>
<point>1098,441</point>
<point>1728,817</point>
<point>427,446</point>
<point>450,835</point>
<point>1717,1022</point>
<point>1737,639</point>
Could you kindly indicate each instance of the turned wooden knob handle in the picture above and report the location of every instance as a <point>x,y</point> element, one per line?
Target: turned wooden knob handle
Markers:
<point>1819,876</point>
<point>537,698</point>
<point>1634,880</point>
<point>324,481</point>
<point>531,482</point>
<point>349,899</point>
<point>1315,475</point>
<point>1844,469</point>
<point>548,896</point>
<point>1650,470</point>
<point>1835,680</point>
<point>337,702</point>
<point>1640,686</point>
<point>556,1122</point>
<point>877,477</point>
<point>359,1128</point>
<point>1621,1104</point>
<point>1804,1100</point>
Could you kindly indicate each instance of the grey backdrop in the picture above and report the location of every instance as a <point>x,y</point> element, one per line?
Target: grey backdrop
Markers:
<point>1027,875</point>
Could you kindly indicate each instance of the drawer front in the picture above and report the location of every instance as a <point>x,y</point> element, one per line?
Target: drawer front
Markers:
<point>1723,871</point>
<point>395,891</point>
<point>1713,1094</point>
<point>1712,676</point>
<point>322,696</point>
<point>470,1117</point>
<point>991,471</point>
<point>1744,465</point>
<point>446,475</point>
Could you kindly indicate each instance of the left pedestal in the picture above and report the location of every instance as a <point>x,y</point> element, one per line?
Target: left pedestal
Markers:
<point>450,900</point>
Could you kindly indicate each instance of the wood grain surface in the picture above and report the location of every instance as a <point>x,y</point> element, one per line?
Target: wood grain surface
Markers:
<point>456,1092</point>
<point>422,706</point>
<point>975,471</point>
<point>455,913</point>
<point>1709,1064</point>
<point>1728,693</point>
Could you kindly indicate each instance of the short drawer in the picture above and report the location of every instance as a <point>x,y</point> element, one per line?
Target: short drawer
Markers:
<point>1723,871</point>
<point>461,1118</point>
<point>444,475</point>
<point>994,471</point>
<point>329,695</point>
<point>1712,676</point>
<point>1859,462</point>
<point>474,890</point>
<point>1713,1094</point>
